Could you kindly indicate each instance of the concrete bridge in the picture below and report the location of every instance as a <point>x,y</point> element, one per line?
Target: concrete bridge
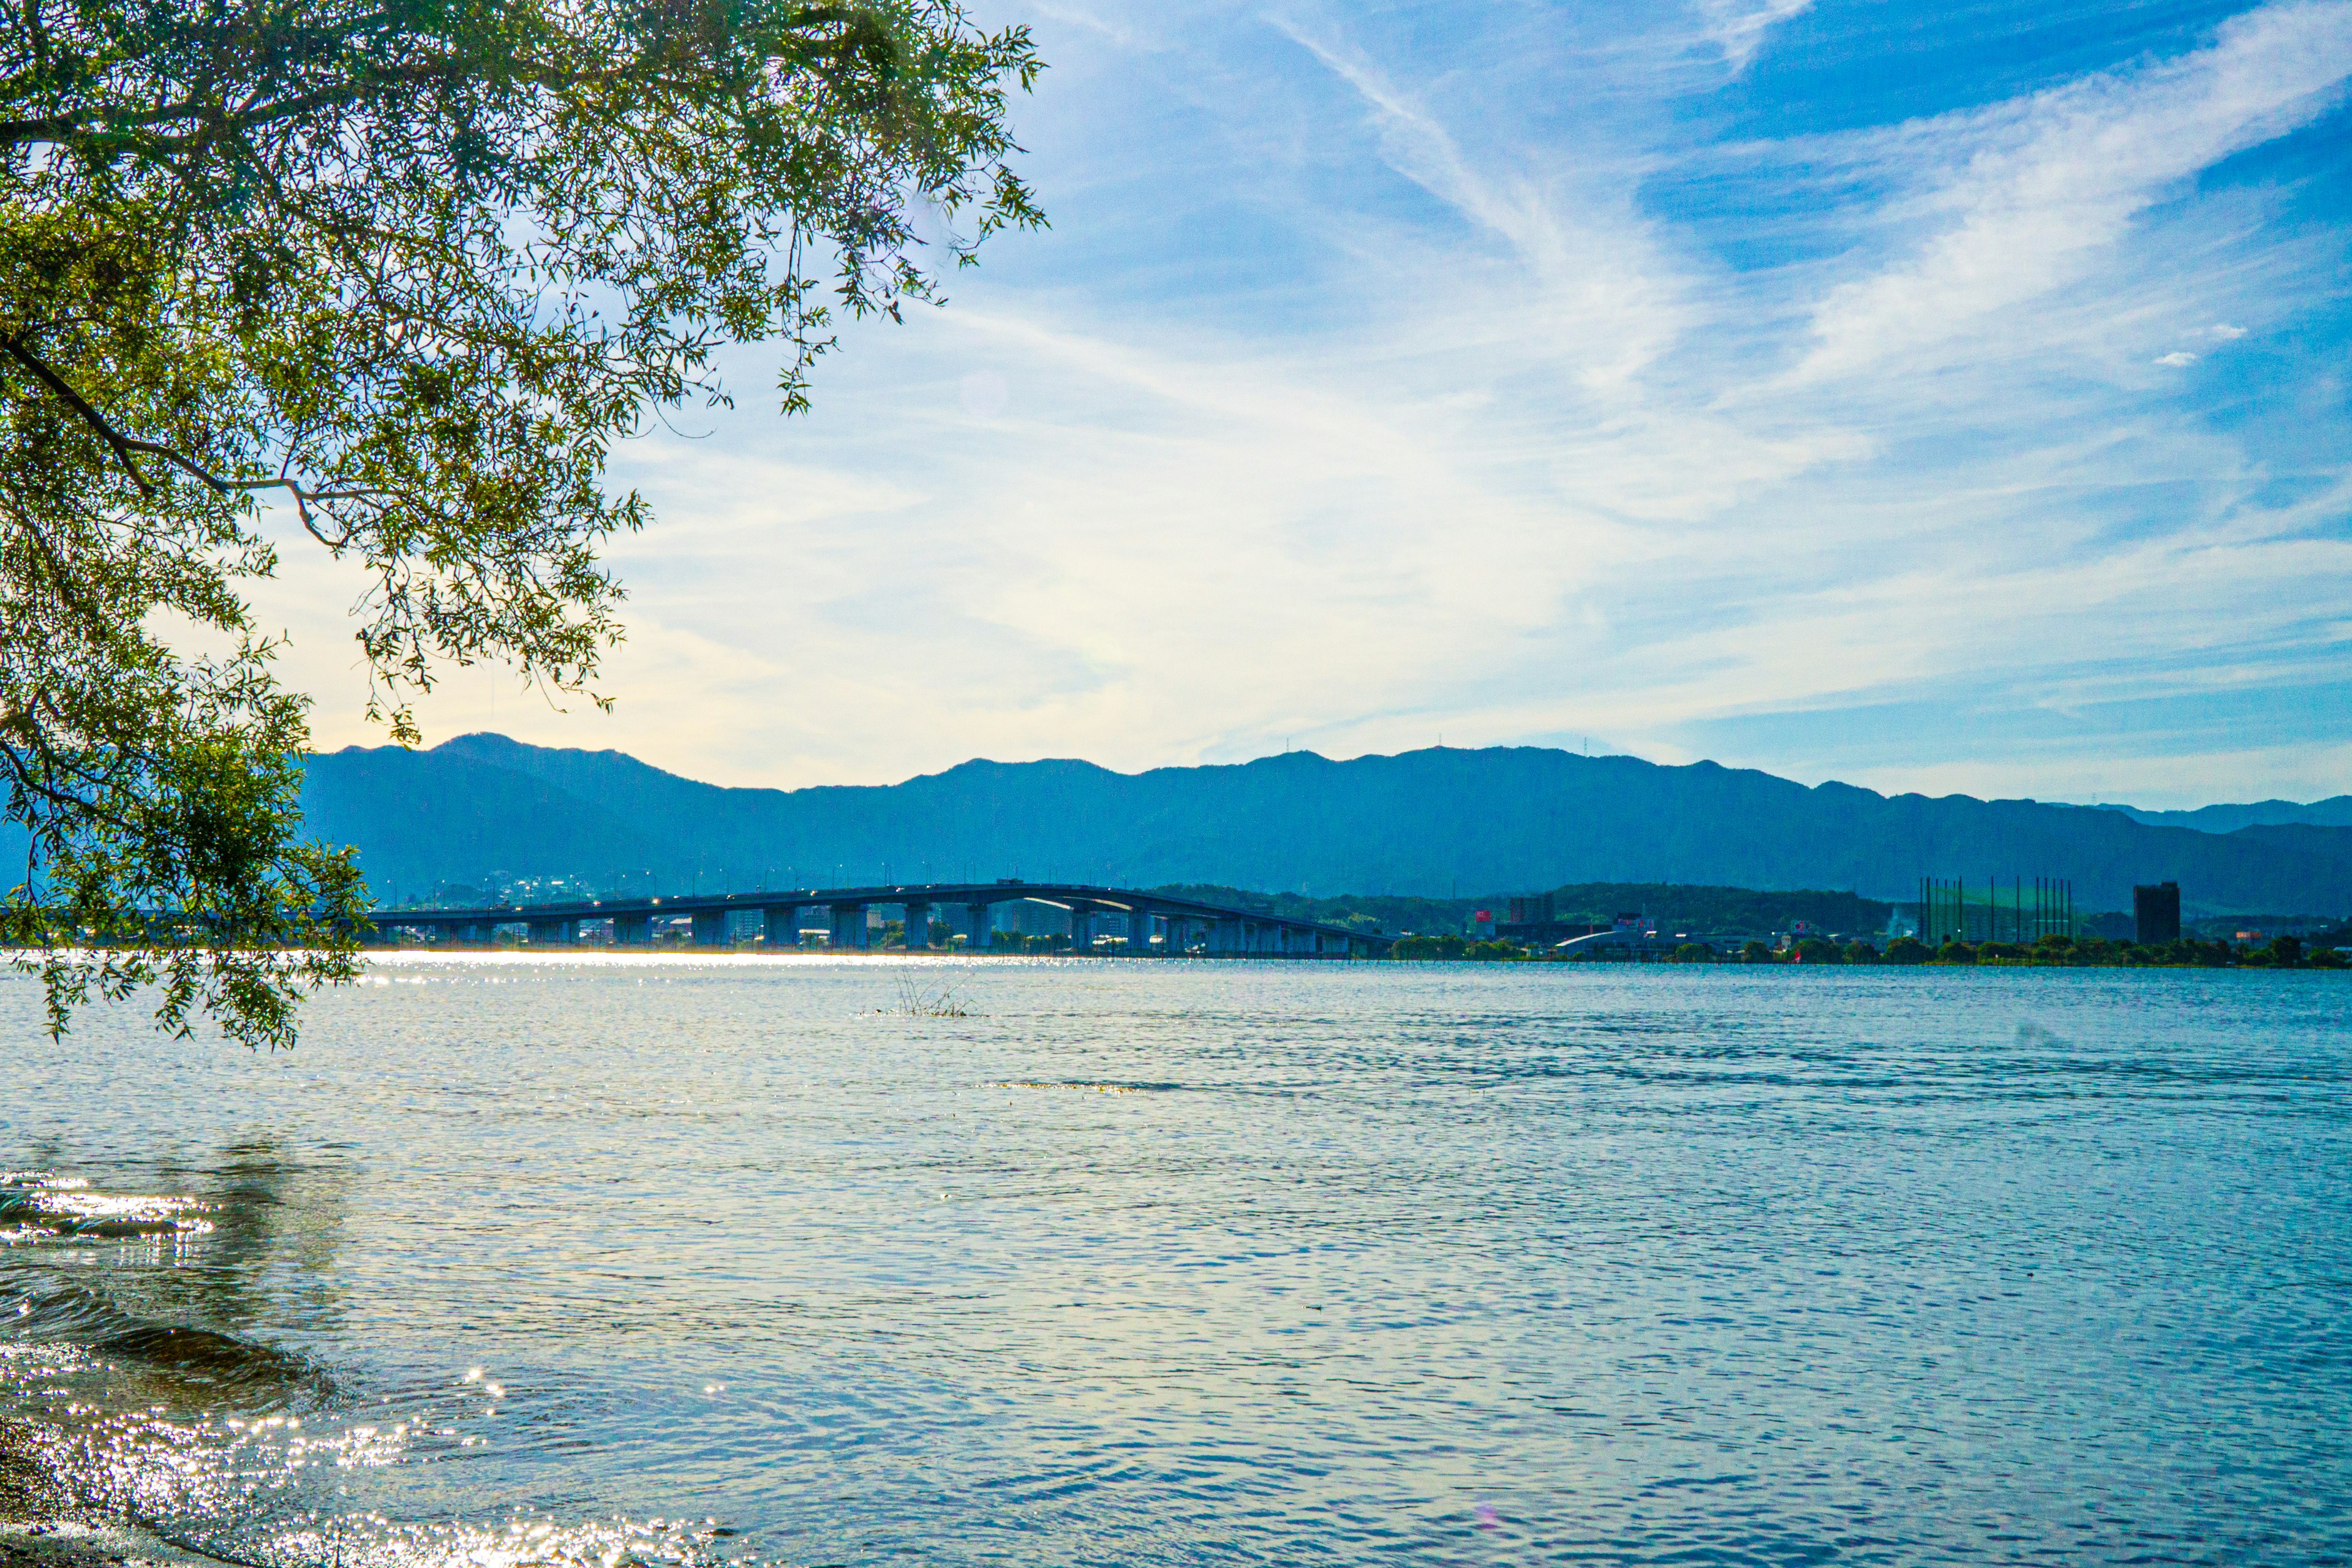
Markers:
<point>1101,919</point>
<point>1636,944</point>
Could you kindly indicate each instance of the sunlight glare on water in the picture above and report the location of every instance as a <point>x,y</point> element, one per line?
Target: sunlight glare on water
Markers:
<point>616,1259</point>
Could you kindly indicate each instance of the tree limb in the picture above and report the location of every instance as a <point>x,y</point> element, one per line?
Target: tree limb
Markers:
<point>14,346</point>
<point>126,446</point>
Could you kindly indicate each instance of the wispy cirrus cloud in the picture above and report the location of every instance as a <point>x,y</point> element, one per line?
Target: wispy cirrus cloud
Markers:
<point>1738,26</point>
<point>2029,196</point>
<point>1474,371</point>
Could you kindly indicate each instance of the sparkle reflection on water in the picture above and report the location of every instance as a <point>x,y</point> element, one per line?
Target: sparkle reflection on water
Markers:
<point>683,1261</point>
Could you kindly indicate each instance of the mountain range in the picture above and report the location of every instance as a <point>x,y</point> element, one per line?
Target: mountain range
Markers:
<point>1436,822</point>
<point>2336,811</point>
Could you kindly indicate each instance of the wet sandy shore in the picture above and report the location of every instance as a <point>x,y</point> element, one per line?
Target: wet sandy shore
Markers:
<point>41,1527</point>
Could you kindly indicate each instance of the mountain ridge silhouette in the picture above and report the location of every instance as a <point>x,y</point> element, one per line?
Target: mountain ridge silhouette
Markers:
<point>1429,822</point>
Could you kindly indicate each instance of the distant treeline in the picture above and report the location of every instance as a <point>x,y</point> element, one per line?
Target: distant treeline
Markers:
<point>2049,952</point>
<point>2281,953</point>
<point>1669,906</point>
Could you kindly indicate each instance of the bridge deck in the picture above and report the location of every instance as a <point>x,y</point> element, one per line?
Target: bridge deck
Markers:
<point>1242,931</point>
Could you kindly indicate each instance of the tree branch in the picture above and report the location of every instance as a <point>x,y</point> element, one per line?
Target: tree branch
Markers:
<point>126,446</point>
<point>14,346</point>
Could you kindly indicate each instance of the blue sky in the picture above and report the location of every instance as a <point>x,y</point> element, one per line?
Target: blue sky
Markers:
<point>1942,397</point>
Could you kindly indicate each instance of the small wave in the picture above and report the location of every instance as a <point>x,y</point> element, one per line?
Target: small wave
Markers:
<point>255,1374</point>
<point>1083,1085</point>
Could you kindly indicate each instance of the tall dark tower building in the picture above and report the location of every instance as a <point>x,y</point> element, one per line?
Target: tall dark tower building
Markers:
<point>2156,914</point>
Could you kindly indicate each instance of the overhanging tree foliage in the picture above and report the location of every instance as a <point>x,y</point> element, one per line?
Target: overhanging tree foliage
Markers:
<point>409,269</point>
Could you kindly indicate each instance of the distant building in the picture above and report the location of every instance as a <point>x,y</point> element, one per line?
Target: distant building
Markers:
<point>2156,913</point>
<point>1031,918</point>
<point>1536,923</point>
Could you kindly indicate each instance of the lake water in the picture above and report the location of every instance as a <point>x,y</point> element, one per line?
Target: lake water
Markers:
<point>638,1258</point>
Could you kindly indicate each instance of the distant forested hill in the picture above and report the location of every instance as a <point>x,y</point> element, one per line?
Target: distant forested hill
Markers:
<point>1672,906</point>
<point>1434,824</point>
<point>2336,811</point>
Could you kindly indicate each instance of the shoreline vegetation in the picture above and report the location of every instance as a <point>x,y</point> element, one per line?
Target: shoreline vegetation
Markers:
<point>2048,953</point>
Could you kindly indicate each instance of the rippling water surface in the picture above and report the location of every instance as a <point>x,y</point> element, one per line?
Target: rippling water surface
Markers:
<point>648,1260</point>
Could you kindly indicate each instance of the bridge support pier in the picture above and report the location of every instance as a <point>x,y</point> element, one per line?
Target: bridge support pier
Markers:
<point>632,930</point>
<point>784,924</point>
<point>979,928</point>
<point>849,926</point>
<point>710,928</point>
<point>918,926</point>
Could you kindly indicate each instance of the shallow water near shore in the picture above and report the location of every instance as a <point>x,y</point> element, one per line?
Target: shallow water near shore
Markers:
<point>638,1259</point>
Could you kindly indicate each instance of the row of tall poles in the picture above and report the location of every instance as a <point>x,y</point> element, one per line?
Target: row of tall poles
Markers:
<point>1945,903</point>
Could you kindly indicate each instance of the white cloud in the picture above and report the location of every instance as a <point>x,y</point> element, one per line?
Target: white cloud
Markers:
<point>1596,291</point>
<point>2034,195</point>
<point>1527,458</point>
<point>1738,26</point>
